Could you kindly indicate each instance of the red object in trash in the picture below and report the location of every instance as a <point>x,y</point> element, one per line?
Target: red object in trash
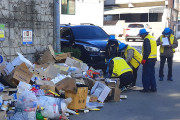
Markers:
<point>91,73</point>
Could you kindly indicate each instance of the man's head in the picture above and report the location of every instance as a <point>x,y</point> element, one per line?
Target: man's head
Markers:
<point>122,47</point>
<point>143,33</point>
<point>167,32</point>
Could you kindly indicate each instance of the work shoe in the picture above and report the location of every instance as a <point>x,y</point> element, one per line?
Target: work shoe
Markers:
<point>170,79</point>
<point>161,79</point>
<point>144,91</point>
<point>153,90</point>
<point>123,88</point>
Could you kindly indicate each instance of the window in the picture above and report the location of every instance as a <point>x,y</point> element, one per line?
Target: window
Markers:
<point>89,32</point>
<point>136,26</point>
<point>68,7</point>
<point>65,33</point>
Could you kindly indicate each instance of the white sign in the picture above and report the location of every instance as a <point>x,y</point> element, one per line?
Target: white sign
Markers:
<point>165,41</point>
<point>27,37</point>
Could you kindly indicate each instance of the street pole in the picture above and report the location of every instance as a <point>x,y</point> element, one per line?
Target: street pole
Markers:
<point>57,26</point>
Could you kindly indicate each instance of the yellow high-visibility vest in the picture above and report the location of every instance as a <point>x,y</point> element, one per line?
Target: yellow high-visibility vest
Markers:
<point>153,44</point>
<point>137,57</point>
<point>120,67</point>
<point>171,41</point>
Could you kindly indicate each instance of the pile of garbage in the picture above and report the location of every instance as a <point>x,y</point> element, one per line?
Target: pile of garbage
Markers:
<point>54,87</point>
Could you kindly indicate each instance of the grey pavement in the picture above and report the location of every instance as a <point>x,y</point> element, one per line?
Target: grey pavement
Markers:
<point>162,105</point>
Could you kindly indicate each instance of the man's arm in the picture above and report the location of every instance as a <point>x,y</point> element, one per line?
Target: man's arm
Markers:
<point>147,49</point>
<point>130,54</point>
<point>158,41</point>
<point>175,43</point>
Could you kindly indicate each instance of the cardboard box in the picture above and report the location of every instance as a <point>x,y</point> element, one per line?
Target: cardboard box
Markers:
<point>67,84</point>
<point>114,95</point>
<point>89,82</point>
<point>20,73</point>
<point>100,90</point>
<point>46,85</point>
<point>93,98</point>
<point>78,99</point>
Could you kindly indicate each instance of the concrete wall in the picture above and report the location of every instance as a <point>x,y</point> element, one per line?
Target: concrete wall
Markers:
<point>86,11</point>
<point>19,15</point>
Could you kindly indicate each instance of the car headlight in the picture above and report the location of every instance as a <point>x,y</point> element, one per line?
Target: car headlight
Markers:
<point>91,49</point>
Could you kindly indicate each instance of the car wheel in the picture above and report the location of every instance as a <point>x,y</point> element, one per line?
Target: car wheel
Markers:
<point>127,40</point>
<point>134,40</point>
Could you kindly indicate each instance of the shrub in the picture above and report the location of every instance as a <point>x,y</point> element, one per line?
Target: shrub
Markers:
<point>76,52</point>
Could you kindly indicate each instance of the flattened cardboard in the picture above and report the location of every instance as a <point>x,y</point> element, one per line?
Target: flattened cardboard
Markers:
<point>46,58</point>
<point>59,56</point>
<point>51,71</point>
<point>46,85</point>
<point>76,63</point>
<point>93,98</point>
<point>38,72</point>
<point>63,56</point>
<point>78,99</point>
<point>67,84</point>
<point>100,90</point>
<point>52,51</point>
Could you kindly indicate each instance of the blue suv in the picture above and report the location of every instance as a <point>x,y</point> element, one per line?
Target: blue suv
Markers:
<point>90,39</point>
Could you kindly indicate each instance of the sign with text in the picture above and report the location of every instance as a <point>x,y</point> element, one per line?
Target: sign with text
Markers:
<point>27,37</point>
<point>2,36</point>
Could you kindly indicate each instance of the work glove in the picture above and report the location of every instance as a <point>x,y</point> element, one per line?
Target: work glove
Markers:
<point>143,61</point>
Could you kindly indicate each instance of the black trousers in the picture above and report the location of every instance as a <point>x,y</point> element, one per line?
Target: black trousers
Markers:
<point>162,62</point>
<point>126,79</point>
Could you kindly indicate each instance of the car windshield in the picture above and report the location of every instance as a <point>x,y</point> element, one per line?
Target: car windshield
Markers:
<point>89,32</point>
<point>136,26</point>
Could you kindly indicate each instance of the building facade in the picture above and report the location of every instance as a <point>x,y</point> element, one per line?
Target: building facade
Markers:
<point>26,26</point>
<point>82,11</point>
<point>157,13</point>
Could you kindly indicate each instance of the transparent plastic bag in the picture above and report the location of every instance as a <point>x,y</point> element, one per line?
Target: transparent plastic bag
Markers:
<point>51,106</point>
<point>27,102</point>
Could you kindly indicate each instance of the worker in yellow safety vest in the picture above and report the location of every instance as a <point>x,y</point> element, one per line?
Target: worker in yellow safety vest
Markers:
<point>168,43</point>
<point>149,53</point>
<point>132,57</point>
<point>118,68</point>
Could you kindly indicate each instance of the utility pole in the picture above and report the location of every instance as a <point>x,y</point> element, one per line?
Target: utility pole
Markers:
<point>57,26</point>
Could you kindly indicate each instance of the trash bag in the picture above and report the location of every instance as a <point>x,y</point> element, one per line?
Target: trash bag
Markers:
<point>51,106</point>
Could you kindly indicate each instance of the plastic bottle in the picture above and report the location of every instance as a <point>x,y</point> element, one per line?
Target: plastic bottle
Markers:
<point>39,116</point>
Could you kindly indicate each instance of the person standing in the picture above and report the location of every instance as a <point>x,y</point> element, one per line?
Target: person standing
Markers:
<point>166,52</point>
<point>149,53</point>
<point>132,57</point>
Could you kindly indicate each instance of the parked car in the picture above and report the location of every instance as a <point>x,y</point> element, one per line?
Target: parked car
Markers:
<point>133,30</point>
<point>90,39</point>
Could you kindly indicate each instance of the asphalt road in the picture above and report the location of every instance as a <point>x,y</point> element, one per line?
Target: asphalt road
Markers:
<point>162,105</point>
